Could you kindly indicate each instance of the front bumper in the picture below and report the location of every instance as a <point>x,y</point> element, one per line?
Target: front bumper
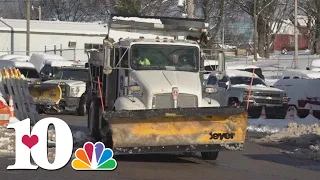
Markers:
<point>272,110</point>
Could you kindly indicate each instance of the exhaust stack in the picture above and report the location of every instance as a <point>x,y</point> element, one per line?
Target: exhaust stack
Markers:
<point>221,61</point>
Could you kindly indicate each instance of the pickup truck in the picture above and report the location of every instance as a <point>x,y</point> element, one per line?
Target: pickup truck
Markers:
<point>234,89</point>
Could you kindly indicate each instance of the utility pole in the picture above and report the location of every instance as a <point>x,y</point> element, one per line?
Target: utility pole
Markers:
<point>39,9</point>
<point>28,29</point>
<point>255,31</point>
<point>296,45</point>
<point>223,29</point>
<point>190,8</point>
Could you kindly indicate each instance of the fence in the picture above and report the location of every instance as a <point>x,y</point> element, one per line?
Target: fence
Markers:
<point>14,84</point>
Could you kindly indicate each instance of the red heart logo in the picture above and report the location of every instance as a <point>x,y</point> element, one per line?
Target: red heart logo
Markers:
<point>30,141</point>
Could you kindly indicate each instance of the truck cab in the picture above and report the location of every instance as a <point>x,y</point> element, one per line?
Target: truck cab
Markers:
<point>172,67</point>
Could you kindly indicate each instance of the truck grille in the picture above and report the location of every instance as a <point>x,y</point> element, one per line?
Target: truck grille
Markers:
<point>268,101</point>
<point>163,101</point>
<point>267,94</point>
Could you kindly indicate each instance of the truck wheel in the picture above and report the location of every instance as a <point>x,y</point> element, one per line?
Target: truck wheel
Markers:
<point>82,108</point>
<point>93,120</point>
<point>210,155</point>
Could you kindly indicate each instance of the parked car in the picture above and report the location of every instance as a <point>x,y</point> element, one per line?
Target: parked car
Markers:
<point>234,89</point>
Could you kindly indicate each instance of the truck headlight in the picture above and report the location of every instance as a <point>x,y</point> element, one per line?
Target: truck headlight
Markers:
<point>74,91</point>
<point>211,90</point>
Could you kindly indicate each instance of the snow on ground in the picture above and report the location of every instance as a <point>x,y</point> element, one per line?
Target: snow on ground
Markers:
<point>297,140</point>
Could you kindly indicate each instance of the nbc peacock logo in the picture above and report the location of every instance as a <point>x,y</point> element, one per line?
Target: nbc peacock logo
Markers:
<point>94,157</point>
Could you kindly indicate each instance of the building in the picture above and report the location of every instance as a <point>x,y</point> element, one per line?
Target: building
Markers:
<point>69,39</point>
<point>284,36</point>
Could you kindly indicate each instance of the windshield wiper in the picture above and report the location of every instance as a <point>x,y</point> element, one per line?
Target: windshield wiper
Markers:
<point>151,68</point>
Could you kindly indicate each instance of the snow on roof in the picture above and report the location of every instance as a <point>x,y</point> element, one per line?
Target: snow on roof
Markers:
<point>242,67</point>
<point>286,28</point>
<point>116,35</point>
<point>301,72</point>
<point>210,62</point>
<point>44,56</point>
<point>20,59</point>
<point>17,64</point>
<point>233,73</point>
<point>11,56</point>
<point>54,27</point>
<point>136,19</point>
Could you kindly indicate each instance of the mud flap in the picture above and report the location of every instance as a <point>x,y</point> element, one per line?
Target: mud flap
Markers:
<point>205,127</point>
<point>46,94</point>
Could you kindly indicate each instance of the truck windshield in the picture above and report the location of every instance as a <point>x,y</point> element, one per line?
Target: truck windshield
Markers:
<point>165,57</point>
<point>72,74</point>
<point>246,81</point>
<point>29,73</point>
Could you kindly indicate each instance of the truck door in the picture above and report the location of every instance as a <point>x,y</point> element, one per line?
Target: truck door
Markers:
<point>123,73</point>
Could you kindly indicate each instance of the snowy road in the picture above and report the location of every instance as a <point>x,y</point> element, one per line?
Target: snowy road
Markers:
<point>257,161</point>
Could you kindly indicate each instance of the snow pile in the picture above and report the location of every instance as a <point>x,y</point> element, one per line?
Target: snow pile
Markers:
<point>304,139</point>
<point>267,125</point>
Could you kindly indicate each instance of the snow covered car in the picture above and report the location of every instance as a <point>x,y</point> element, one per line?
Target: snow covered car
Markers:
<point>66,92</point>
<point>233,90</point>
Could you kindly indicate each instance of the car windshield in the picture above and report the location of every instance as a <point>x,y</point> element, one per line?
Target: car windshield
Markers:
<point>72,74</point>
<point>246,81</point>
<point>29,73</point>
<point>165,57</point>
<point>257,71</point>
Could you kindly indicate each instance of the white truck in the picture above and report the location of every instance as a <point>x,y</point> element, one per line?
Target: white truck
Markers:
<point>65,92</point>
<point>147,96</point>
<point>302,87</point>
<point>235,90</point>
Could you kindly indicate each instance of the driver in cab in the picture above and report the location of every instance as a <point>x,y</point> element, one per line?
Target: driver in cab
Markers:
<point>142,61</point>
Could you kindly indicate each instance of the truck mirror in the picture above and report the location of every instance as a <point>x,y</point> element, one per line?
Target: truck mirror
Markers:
<point>307,68</point>
<point>86,65</point>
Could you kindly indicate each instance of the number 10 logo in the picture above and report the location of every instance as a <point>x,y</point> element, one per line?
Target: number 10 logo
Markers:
<point>35,144</point>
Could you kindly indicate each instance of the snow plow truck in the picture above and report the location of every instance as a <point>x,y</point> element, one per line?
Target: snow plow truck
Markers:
<point>147,95</point>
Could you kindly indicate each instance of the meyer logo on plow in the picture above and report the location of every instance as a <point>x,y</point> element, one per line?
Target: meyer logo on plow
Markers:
<point>221,136</point>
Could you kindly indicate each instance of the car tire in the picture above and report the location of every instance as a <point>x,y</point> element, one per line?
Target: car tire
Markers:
<point>210,155</point>
<point>82,108</point>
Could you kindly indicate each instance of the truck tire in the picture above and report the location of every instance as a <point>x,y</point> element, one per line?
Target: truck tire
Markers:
<point>210,155</point>
<point>94,116</point>
<point>82,108</point>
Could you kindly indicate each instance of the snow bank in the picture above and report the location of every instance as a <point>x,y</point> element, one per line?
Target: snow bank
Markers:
<point>302,140</point>
<point>267,125</point>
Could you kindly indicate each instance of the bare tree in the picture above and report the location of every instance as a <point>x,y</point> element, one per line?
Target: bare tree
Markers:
<point>270,17</point>
<point>73,10</point>
<point>312,10</point>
